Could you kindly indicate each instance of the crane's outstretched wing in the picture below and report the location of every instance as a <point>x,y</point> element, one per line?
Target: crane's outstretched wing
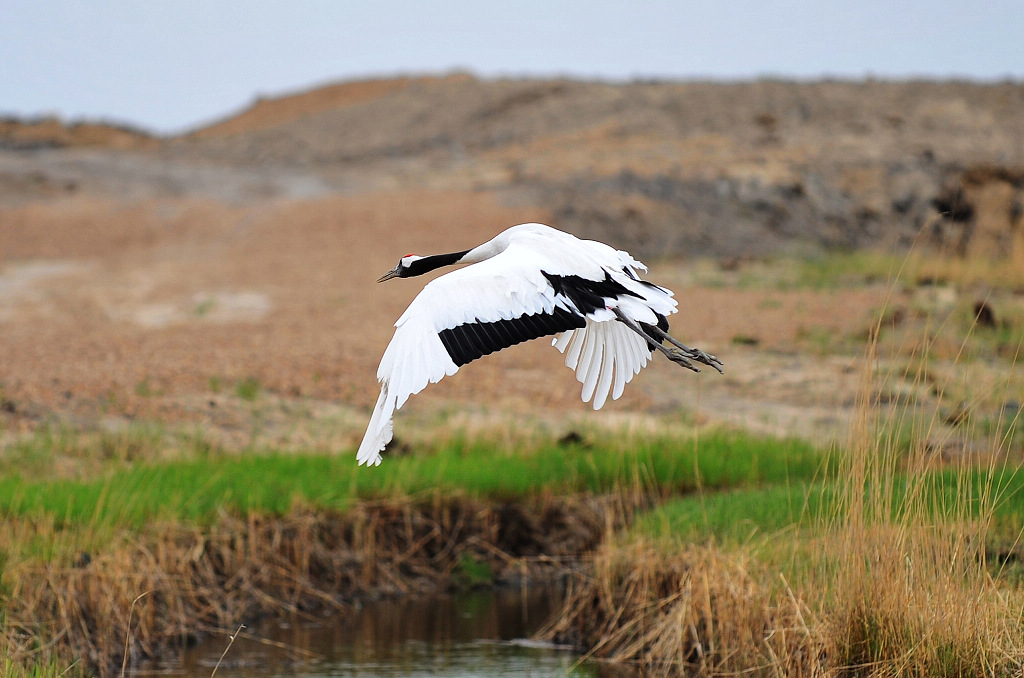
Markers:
<point>488,306</point>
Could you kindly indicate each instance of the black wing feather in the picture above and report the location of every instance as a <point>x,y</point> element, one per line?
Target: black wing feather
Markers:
<point>465,343</point>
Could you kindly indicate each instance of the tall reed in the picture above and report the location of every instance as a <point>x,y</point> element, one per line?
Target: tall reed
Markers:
<point>910,588</point>
<point>891,578</point>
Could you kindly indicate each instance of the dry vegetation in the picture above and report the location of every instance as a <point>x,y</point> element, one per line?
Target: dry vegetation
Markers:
<point>899,578</point>
<point>174,583</point>
<point>693,609</point>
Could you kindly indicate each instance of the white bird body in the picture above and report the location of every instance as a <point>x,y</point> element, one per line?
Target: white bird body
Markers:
<point>529,281</point>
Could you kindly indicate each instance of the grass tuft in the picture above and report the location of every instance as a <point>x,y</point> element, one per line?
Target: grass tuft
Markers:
<point>248,388</point>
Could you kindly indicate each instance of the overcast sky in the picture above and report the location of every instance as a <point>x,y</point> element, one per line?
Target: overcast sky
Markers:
<point>170,64</point>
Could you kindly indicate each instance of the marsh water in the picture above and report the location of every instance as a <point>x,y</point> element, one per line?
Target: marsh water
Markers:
<point>472,634</point>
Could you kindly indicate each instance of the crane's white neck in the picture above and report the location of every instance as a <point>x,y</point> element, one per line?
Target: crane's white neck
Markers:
<point>483,252</point>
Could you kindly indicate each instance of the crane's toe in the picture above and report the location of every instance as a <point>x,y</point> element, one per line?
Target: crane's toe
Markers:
<point>680,358</point>
<point>707,359</point>
<point>687,357</point>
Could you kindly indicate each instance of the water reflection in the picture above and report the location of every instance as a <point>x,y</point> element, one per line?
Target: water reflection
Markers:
<point>473,634</point>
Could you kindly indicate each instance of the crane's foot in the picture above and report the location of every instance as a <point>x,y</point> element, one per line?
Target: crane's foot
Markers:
<point>706,359</point>
<point>681,355</point>
<point>685,356</point>
<point>680,358</point>
<point>694,354</point>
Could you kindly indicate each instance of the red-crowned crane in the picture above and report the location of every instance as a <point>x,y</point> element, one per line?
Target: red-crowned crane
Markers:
<point>528,282</point>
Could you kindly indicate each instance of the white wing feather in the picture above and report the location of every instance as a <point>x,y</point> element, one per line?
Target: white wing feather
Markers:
<point>626,350</point>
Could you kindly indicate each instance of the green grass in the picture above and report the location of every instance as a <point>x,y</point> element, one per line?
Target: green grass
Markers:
<point>195,489</point>
<point>248,388</point>
<point>747,514</point>
<point>844,269</point>
<point>9,669</point>
<point>735,485</point>
<point>735,516</point>
<point>864,267</point>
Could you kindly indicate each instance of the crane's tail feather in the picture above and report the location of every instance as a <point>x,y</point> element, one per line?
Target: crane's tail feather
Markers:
<point>605,356</point>
<point>379,431</point>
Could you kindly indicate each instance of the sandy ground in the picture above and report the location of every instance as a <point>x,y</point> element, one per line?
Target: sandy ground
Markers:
<point>156,310</point>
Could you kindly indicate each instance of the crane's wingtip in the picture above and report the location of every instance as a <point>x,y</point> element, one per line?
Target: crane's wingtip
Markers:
<point>370,458</point>
<point>378,432</point>
<point>369,454</point>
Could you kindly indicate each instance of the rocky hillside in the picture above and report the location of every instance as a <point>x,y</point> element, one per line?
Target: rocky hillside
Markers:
<point>746,168</point>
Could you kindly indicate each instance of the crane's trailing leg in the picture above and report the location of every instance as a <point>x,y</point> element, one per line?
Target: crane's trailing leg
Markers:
<point>682,355</point>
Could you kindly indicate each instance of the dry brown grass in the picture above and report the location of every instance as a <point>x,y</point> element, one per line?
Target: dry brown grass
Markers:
<point>910,591</point>
<point>919,602</point>
<point>697,610</point>
<point>894,581</point>
<point>896,602</point>
<point>201,580</point>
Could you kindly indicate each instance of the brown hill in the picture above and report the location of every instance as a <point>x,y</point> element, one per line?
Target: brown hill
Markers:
<point>729,169</point>
<point>53,133</point>
<point>270,112</point>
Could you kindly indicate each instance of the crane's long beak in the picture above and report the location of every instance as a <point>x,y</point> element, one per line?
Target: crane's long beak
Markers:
<point>393,273</point>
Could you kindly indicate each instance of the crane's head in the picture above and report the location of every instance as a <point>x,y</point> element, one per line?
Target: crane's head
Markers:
<point>403,268</point>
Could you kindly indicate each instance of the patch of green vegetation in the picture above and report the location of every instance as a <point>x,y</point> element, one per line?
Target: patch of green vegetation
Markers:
<point>204,307</point>
<point>11,669</point>
<point>194,489</point>
<point>820,338</point>
<point>844,269</point>
<point>143,388</point>
<point>736,516</point>
<point>828,271</point>
<point>248,388</point>
<point>745,340</point>
<point>859,268</point>
<point>472,572</point>
<point>747,514</point>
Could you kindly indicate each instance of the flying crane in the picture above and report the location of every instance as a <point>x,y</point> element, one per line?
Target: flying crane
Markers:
<point>529,281</point>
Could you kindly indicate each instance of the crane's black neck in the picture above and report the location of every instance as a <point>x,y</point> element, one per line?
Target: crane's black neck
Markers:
<point>428,264</point>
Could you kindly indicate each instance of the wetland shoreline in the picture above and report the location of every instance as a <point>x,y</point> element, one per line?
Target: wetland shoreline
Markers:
<point>164,589</point>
